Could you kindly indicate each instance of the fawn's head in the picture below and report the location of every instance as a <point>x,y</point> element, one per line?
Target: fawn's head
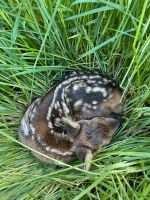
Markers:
<point>90,135</point>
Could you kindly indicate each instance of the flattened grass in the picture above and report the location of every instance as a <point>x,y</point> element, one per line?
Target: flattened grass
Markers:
<point>39,41</point>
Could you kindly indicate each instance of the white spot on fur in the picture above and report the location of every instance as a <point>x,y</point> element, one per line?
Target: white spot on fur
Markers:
<point>67,100</point>
<point>78,103</point>
<point>50,125</point>
<point>84,77</point>
<point>95,76</point>
<point>88,89</point>
<point>32,129</point>
<point>94,102</point>
<point>65,108</point>
<point>24,127</point>
<point>76,87</point>
<point>33,112</point>
<point>38,138</point>
<point>56,151</point>
<point>91,81</point>
<point>102,90</point>
<point>63,134</point>
<point>57,121</point>
<point>55,106</point>
<point>105,80</point>
<point>47,148</point>
<point>57,103</point>
<point>60,152</point>
<point>94,107</point>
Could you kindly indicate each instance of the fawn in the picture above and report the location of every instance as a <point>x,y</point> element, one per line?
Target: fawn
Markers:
<point>73,119</point>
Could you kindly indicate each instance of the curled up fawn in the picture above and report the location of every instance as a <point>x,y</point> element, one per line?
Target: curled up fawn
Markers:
<point>74,119</point>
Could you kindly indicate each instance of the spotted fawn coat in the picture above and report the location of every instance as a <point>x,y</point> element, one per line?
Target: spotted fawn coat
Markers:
<point>74,119</point>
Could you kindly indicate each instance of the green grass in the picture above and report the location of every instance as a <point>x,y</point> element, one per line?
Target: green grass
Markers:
<point>39,41</point>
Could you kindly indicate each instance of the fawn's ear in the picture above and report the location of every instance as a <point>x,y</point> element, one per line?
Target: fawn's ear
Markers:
<point>71,127</point>
<point>85,155</point>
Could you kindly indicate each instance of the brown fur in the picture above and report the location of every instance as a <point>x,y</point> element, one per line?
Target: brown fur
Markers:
<point>98,128</point>
<point>35,146</point>
<point>113,104</point>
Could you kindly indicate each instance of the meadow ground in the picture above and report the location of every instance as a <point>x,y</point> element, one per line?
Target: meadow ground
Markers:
<point>39,41</point>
